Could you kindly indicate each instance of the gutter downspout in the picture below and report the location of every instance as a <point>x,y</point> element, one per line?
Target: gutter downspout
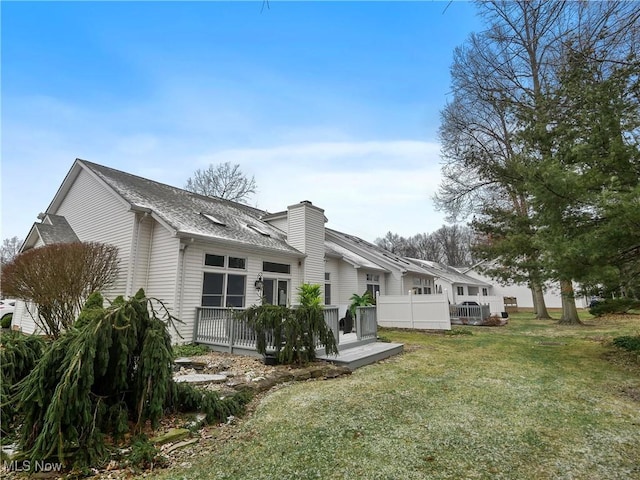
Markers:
<point>134,256</point>
<point>179,301</point>
<point>146,280</point>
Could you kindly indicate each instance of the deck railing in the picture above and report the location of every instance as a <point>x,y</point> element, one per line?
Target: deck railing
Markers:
<point>221,329</point>
<point>470,314</point>
<point>366,323</point>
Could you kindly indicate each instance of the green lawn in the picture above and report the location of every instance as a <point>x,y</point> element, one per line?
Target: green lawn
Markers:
<point>532,400</point>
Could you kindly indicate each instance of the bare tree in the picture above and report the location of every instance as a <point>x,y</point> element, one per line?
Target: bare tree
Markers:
<point>392,242</point>
<point>10,248</point>
<point>450,245</point>
<point>427,247</point>
<point>455,243</point>
<point>224,181</point>
<point>58,279</point>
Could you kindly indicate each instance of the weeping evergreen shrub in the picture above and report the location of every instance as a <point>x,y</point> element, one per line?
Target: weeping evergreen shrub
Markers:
<point>187,398</point>
<point>293,334</point>
<point>18,355</point>
<point>108,376</point>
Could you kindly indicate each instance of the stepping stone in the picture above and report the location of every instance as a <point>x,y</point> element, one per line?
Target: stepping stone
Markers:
<point>182,361</point>
<point>200,378</point>
<point>187,362</point>
<point>173,435</point>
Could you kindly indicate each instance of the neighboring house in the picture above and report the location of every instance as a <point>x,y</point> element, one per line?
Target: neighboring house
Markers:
<point>458,286</point>
<point>193,251</point>
<point>523,294</point>
<point>366,267</point>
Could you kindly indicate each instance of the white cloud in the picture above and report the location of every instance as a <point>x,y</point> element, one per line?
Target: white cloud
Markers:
<point>365,188</point>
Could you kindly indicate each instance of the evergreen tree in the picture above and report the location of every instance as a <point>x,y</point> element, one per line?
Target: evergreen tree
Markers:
<point>109,375</point>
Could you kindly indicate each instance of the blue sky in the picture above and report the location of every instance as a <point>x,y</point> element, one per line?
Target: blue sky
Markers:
<point>333,102</point>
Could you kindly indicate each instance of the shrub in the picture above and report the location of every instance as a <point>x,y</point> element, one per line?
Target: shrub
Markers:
<point>628,343</point>
<point>109,373</point>
<point>6,321</point>
<point>19,353</point>
<point>614,305</point>
<point>58,279</point>
<point>189,350</point>
<point>187,398</point>
<point>145,455</point>
<point>292,333</point>
<point>364,300</point>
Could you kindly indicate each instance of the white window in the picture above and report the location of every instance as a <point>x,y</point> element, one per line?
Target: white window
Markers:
<point>276,267</point>
<point>373,289</point>
<point>223,290</point>
<point>460,290</point>
<point>211,260</point>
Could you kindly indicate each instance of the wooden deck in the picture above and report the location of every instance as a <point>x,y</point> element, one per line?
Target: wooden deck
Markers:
<point>360,355</point>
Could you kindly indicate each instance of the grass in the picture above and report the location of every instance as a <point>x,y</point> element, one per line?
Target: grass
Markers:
<point>532,400</point>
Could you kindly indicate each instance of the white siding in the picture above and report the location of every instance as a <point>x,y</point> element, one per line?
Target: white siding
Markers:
<point>305,232</point>
<point>348,284</point>
<point>280,223</point>
<point>362,281</point>
<point>191,274</point>
<point>97,214</point>
<point>395,283</point>
<point>22,318</point>
<point>161,281</point>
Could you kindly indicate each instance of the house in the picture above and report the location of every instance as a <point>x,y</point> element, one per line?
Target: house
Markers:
<point>523,294</point>
<point>458,286</point>
<point>198,253</point>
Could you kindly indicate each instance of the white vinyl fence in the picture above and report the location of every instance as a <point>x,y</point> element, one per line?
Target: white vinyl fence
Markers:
<point>428,312</point>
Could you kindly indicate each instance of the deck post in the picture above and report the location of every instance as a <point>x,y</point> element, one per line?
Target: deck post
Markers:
<point>196,325</point>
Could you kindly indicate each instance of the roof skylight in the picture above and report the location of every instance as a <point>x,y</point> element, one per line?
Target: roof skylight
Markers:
<point>213,219</point>
<point>258,229</point>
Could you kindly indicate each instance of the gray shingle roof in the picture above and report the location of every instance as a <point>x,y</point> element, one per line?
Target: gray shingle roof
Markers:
<point>380,254</point>
<point>333,249</point>
<point>186,212</point>
<point>58,231</point>
<point>449,273</point>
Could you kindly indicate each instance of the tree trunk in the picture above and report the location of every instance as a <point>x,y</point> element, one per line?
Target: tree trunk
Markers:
<point>569,310</point>
<point>538,302</point>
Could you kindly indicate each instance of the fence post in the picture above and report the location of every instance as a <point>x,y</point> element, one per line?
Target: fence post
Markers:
<point>411,308</point>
